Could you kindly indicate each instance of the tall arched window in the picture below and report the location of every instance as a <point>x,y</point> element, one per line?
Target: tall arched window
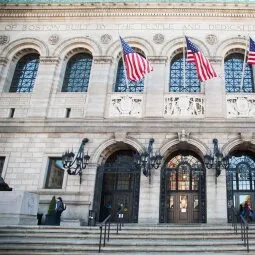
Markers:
<point>233,74</point>
<point>176,81</point>
<point>77,73</point>
<point>25,73</point>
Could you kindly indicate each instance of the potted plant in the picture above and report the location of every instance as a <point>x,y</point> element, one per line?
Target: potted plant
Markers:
<point>51,216</point>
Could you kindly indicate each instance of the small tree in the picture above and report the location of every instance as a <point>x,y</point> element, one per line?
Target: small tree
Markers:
<point>52,206</point>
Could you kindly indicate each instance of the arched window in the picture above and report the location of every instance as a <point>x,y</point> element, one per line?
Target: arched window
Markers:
<point>25,73</point>
<point>176,81</point>
<point>233,74</point>
<point>77,73</point>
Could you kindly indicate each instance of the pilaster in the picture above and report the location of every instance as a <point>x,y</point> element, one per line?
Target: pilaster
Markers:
<point>43,87</point>
<point>215,102</point>
<point>154,89</point>
<point>97,91</point>
<point>216,198</point>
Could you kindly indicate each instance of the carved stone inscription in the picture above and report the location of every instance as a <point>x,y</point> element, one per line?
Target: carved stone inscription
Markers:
<point>130,26</point>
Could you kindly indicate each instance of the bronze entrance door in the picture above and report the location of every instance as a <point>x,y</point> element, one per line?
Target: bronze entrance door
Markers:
<point>183,208</point>
<point>117,186</point>
<point>182,197</point>
<point>240,178</point>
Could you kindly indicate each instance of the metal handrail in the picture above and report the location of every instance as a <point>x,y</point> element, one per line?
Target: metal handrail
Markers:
<point>245,232</point>
<point>244,227</point>
<point>104,223</point>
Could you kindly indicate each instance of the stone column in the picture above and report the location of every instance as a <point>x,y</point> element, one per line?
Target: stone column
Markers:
<point>154,89</point>
<point>215,102</point>
<point>43,87</point>
<point>216,197</point>
<point>3,72</point>
<point>149,198</point>
<point>97,91</point>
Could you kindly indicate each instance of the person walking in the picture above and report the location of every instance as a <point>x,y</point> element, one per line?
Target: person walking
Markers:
<point>60,207</point>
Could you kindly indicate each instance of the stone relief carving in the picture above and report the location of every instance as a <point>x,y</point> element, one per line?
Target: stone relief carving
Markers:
<point>53,39</point>
<point>106,38</point>
<point>158,38</point>
<point>183,136</point>
<point>240,106</point>
<point>4,39</point>
<point>184,106</point>
<point>125,105</point>
<point>211,39</point>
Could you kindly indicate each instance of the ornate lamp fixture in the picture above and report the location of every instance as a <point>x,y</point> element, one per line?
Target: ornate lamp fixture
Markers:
<point>74,164</point>
<point>147,160</point>
<point>216,160</point>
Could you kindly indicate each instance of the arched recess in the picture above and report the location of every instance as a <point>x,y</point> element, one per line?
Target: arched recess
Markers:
<point>229,44</point>
<point>13,49</point>
<point>240,176</point>
<point>117,183</point>
<point>78,42</point>
<point>183,185</point>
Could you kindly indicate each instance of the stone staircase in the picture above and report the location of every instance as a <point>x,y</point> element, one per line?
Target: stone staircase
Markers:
<point>133,239</point>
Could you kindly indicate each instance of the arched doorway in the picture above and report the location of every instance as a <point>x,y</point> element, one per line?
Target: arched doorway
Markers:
<point>182,195</point>
<point>240,178</point>
<point>118,184</point>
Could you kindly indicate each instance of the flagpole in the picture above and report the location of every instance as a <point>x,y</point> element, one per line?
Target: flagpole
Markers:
<point>124,65</point>
<point>244,64</point>
<point>184,64</point>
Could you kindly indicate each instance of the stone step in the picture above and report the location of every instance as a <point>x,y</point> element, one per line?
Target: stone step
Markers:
<point>133,239</point>
<point>128,249</point>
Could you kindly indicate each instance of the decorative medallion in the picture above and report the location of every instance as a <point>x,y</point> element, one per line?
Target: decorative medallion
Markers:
<point>4,39</point>
<point>106,38</point>
<point>211,39</point>
<point>158,38</point>
<point>53,39</point>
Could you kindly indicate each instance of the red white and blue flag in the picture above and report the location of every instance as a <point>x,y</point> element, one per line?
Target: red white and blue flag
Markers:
<point>136,65</point>
<point>204,69</point>
<point>251,55</point>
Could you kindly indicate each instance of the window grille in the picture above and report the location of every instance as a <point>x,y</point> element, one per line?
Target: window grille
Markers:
<point>233,66</point>
<point>25,73</point>
<point>124,85</point>
<point>77,73</point>
<point>176,81</point>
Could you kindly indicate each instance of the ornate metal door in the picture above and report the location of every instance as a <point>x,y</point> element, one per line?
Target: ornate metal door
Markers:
<point>240,178</point>
<point>183,190</point>
<point>118,186</point>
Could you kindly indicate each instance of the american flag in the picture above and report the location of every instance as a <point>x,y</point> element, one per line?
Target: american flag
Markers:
<point>204,69</point>
<point>136,65</point>
<point>251,55</point>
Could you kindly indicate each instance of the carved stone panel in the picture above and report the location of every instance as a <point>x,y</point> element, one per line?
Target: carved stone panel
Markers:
<point>240,106</point>
<point>184,106</point>
<point>125,105</point>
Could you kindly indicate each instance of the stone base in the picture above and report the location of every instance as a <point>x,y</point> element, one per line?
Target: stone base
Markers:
<point>18,208</point>
<point>17,219</point>
<point>70,223</point>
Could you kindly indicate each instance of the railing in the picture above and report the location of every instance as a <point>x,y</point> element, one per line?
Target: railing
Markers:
<point>107,223</point>
<point>244,227</point>
<point>245,232</point>
<point>104,223</point>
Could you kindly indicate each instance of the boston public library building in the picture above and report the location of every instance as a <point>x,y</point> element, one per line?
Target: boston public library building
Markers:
<point>167,148</point>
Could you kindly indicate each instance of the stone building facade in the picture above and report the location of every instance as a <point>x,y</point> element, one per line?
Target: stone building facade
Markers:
<point>39,125</point>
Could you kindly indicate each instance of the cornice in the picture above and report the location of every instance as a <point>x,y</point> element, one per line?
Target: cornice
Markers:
<point>119,10</point>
